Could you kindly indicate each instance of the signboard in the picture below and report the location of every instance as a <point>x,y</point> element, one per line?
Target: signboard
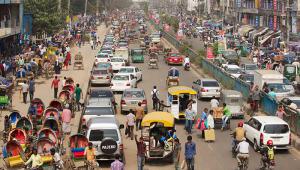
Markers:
<point>221,47</point>
<point>209,53</point>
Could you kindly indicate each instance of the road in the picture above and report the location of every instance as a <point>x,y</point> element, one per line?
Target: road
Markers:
<point>210,156</point>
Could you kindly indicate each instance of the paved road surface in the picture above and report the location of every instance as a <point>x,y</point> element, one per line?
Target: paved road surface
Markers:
<point>210,156</point>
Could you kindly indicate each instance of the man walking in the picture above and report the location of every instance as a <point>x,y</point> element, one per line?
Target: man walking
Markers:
<point>176,154</point>
<point>24,89</point>
<point>117,164</point>
<point>54,85</point>
<point>31,88</point>
<point>130,123</point>
<point>190,152</point>
<point>78,96</point>
<point>66,119</point>
<point>155,100</point>
<point>141,150</point>
<point>139,114</point>
<point>189,118</point>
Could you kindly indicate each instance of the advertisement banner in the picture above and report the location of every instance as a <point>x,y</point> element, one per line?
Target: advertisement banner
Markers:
<point>275,22</point>
<point>209,53</point>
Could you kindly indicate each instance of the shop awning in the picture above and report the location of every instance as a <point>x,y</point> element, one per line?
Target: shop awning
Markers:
<point>245,29</point>
<point>270,35</point>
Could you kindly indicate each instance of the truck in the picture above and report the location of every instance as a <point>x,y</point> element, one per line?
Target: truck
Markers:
<point>122,52</point>
<point>267,76</point>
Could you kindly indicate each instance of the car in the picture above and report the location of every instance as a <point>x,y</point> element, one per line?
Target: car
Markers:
<point>155,37</point>
<point>173,58</point>
<point>289,86</point>
<point>109,52</point>
<point>122,45</point>
<point>260,129</point>
<point>100,76</point>
<point>102,57</point>
<point>131,98</point>
<point>289,100</point>
<point>120,82</point>
<point>105,135</point>
<point>117,63</point>
<point>109,39</point>
<point>102,65</point>
<point>233,70</point>
<point>281,90</point>
<point>249,68</point>
<point>248,78</point>
<point>99,93</point>
<point>97,107</point>
<point>207,88</point>
<point>132,70</point>
<point>231,56</point>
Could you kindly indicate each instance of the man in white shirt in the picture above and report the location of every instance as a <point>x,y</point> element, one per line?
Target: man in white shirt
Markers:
<point>186,60</point>
<point>130,123</point>
<point>214,103</point>
<point>57,159</point>
<point>243,150</point>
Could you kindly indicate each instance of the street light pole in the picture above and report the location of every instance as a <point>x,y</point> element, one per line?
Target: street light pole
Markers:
<point>288,22</point>
<point>85,8</point>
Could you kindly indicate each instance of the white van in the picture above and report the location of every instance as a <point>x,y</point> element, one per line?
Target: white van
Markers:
<point>260,129</point>
<point>104,133</point>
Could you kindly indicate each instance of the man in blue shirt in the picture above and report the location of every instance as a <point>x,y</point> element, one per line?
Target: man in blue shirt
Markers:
<point>189,153</point>
<point>272,94</point>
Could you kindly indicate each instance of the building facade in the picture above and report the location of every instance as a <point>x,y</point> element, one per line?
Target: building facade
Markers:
<point>192,5</point>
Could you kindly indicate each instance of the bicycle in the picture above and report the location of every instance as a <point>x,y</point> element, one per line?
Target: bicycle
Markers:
<point>244,164</point>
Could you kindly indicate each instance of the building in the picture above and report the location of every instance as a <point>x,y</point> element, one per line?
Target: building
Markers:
<point>192,5</point>
<point>11,17</point>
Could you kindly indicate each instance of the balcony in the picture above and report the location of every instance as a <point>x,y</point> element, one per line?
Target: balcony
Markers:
<point>9,28</point>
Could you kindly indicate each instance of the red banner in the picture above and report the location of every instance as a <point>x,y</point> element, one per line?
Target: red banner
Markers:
<point>275,22</point>
<point>209,53</point>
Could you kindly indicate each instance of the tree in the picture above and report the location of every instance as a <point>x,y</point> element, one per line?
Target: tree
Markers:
<point>46,17</point>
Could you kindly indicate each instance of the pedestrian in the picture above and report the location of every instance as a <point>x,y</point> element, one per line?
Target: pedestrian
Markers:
<point>176,153</point>
<point>214,103</point>
<point>31,88</point>
<point>66,119</point>
<point>190,152</point>
<point>272,94</point>
<point>130,123</point>
<point>280,112</point>
<point>189,118</point>
<point>255,99</point>
<point>226,116</point>
<point>92,44</point>
<point>203,119</point>
<point>139,115</point>
<point>67,60</point>
<point>57,67</point>
<point>210,120</point>
<point>59,164</point>
<point>54,85</point>
<point>141,150</point>
<point>155,100</point>
<point>78,95</point>
<point>117,164</point>
<point>24,89</point>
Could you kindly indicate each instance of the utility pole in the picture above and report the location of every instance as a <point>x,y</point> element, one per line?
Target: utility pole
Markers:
<point>69,4</point>
<point>97,6</point>
<point>85,7</point>
<point>288,22</point>
<point>59,5</point>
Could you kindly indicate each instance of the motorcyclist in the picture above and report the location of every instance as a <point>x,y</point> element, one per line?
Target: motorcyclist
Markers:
<point>186,61</point>
<point>239,133</point>
<point>268,154</point>
<point>243,151</point>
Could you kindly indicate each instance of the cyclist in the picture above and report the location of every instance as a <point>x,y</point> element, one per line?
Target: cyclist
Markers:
<point>90,153</point>
<point>243,151</point>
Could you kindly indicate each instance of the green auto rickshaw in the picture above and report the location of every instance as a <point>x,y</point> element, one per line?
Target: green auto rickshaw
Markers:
<point>137,55</point>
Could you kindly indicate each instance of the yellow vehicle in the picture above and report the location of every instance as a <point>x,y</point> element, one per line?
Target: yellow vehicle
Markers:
<point>158,134</point>
<point>179,97</point>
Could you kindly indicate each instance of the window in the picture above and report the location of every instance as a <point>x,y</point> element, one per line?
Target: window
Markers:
<point>99,135</point>
<point>100,72</point>
<point>126,70</point>
<point>121,77</point>
<point>99,111</point>
<point>276,129</point>
<point>210,84</point>
<point>100,94</point>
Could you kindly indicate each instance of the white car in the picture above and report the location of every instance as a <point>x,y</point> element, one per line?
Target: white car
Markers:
<point>207,88</point>
<point>260,129</point>
<point>102,58</point>
<point>131,70</point>
<point>117,63</point>
<point>109,52</point>
<point>120,82</point>
<point>233,70</point>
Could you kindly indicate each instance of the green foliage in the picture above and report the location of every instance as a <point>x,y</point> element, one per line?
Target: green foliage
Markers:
<point>46,17</point>
<point>215,49</point>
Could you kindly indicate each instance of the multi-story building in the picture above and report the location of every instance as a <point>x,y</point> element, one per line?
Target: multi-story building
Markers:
<point>11,14</point>
<point>192,5</point>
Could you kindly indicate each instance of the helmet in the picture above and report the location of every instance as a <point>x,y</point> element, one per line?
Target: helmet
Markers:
<point>240,124</point>
<point>270,143</point>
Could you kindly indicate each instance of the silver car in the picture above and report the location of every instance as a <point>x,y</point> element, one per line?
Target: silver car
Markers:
<point>131,98</point>
<point>100,77</point>
<point>207,88</point>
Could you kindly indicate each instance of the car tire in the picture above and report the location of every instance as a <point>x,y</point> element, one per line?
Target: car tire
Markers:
<point>255,146</point>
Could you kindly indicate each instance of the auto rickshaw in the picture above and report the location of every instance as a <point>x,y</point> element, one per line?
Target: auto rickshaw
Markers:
<point>179,97</point>
<point>234,101</point>
<point>291,72</point>
<point>153,60</point>
<point>5,99</point>
<point>158,130</point>
<point>78,143</point>
<point>137,55</point>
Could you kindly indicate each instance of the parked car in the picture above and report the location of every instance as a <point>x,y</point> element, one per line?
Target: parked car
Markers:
<point>121,82</point>
<point>102,57</point>
<point>117,63</point>
<point>131,98</point>
<point>100,77</point>
<point>207,88</point>
<point>248,78</point>
<point>233,70</point>
<point>281,90</point>
<point>132,70</point>
<point>105,135</point>
<point>260,129</point>
<point>99,107</point>
<point>174,58</point>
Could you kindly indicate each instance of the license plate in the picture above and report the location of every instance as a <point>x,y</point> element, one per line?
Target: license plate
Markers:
<point>119,84</point>
<point>133,102</point>
<point>276,139</point>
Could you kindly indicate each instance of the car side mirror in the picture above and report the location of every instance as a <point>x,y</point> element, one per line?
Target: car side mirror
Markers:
<point>121,126</point>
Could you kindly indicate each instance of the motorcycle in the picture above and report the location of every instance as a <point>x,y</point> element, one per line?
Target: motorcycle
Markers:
<point>267,164</point>
<point>187,66</point>
<point>244,164</point>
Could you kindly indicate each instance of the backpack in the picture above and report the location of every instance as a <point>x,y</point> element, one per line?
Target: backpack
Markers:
<point>154,96</point>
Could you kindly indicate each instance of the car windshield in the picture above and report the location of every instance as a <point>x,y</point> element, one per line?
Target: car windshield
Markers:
<point>233,70</point>
<point>121,77</point>
<point>174,55</point>
<point>126,70</point>
<point>276,129</point>
<point>107,51</point>
<point>210,84</point>
<point>155,36</point>
<point>102,56</point>
<point>137,52</point>
<point>117,60</point>
<point>99,135</point>
<point>100,72</point>
<point>251,67</point>
<point>101,94</point>
<point>249,78</point>
<point>99,111</point>
<point>229,53</point>
<point>122,44</point>
<point>103,65</point>
<point>278,88</point>
<point>133,94</point>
